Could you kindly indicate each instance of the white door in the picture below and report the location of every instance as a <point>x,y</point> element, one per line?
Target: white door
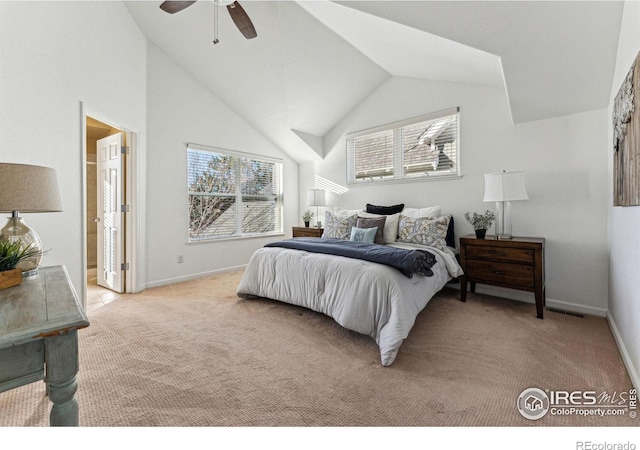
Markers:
<point>110,220</point>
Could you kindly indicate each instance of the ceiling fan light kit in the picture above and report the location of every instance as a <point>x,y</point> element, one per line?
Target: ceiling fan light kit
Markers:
<point>237,13</point>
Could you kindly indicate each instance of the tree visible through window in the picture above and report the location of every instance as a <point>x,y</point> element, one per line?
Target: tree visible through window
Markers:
<point>425,146</point>
<point>231,194</point>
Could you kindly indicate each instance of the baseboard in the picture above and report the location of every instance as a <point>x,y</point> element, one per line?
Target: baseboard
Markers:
<point>190,277</point>
<point>528,297</point>
<point>631,370</point>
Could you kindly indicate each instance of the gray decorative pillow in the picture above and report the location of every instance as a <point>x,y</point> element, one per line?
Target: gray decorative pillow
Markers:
<point>338,227</point>
<point>366,235</point>
<point>373,222</point>
<point>425,231</point>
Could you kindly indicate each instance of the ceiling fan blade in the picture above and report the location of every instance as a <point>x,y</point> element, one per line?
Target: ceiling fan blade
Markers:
<point>173,7</point>
<point>242,21</point>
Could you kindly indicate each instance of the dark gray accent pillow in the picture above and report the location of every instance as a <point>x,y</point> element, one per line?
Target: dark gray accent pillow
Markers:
<point>386,210</point>
<point>371,222</point>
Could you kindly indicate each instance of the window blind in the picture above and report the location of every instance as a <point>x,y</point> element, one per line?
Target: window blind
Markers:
<point>426,146</point>
<point>232,194</point>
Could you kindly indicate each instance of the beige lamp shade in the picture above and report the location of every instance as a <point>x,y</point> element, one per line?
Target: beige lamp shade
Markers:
<point>29,189</point>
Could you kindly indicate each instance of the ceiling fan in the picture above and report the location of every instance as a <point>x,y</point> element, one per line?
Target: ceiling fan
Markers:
<point>237,13</point>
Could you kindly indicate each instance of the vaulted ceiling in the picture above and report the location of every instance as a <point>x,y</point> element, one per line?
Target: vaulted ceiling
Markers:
<point>314,61</point>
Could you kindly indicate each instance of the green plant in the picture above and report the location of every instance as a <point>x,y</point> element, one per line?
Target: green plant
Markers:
<point>307,216</point>
<point>12,254</point>
<point>480,221</point>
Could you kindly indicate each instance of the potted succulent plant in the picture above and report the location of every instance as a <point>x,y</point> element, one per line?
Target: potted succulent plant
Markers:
<point>307,216</point>
<point>480,222</point>
<point>12,253</point>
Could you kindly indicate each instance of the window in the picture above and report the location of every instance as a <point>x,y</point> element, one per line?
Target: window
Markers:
<point>419,148</point>
<point>232,194</point>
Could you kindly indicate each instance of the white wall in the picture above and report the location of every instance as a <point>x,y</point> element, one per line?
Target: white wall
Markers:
<point>624,229</point>
<point>53,56</point>
<point>564,160</point>
<point>181,110</point>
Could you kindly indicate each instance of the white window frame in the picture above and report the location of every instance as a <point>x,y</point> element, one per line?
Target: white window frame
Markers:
<point>238,233</point>
<point>398,154</point>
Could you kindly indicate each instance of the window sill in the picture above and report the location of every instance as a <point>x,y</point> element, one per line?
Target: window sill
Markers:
<point>234,238</point>
<point>403,180</point>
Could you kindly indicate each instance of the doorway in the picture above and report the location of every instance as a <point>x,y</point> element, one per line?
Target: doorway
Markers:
<point>96,295</point>
<point>109,249</point>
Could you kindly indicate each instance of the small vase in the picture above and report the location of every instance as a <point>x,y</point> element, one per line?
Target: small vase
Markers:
<point>306,224</point>
<point>480,234</point>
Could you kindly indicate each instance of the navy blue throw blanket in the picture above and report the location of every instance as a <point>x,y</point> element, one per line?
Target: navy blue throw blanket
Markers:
<point>406,261</point>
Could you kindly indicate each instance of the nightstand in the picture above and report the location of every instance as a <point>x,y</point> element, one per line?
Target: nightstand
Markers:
<point>516,263</point>
<point>307,232</point>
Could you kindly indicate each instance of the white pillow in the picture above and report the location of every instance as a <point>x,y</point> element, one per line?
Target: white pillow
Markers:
<point>342,213</point>
<point>417,213</point>
<point>390,231</point>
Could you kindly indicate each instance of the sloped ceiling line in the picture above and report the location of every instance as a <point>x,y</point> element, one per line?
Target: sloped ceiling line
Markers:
<point>313,62</point>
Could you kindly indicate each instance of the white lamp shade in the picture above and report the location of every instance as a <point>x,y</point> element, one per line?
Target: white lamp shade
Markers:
<point>504,187</point>
<point>316,197</point>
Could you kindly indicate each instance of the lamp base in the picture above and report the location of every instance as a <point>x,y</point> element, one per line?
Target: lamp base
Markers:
<point>503,221</point>
<point>17,230</point>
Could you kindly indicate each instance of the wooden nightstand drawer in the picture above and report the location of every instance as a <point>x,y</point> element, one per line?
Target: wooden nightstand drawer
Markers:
<point>504,254</point>
<point>307,232</point>
<point>491,272</point>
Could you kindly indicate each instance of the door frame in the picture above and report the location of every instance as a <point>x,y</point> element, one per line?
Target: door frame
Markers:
<point>134,181</point>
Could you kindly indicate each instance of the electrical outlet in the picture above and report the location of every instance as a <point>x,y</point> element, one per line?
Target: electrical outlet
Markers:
<point>180,259</point>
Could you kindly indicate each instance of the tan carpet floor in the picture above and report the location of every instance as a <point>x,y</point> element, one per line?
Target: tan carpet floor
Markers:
<point>194,354</point>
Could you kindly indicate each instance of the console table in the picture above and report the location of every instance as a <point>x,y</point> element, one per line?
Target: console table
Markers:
<point>39,323</point>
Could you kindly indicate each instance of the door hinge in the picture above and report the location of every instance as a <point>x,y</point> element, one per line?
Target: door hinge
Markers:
<point>124,150</point>
<point>124,266</point>
<point>124,208</point>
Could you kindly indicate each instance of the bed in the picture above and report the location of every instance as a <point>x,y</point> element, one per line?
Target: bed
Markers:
<point>371,298</point>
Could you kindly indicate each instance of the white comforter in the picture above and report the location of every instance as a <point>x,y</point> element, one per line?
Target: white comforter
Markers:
<point>365,297</point>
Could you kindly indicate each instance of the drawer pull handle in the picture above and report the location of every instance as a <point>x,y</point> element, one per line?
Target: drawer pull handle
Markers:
<point>497,253</point>
<point>499,272</point>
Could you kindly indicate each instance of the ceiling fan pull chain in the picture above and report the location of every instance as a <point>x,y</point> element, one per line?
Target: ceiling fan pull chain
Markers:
<point>215,23</point>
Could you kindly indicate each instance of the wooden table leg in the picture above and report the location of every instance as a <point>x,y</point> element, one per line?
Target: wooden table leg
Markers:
<point>540,302</point>
<point>463,288</point>
<point>61,356</point>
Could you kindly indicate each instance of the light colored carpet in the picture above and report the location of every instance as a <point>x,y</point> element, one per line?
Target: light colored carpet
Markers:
<point>194,354</point>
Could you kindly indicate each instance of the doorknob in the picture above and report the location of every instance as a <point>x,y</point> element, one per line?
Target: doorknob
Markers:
<point>97,219</point>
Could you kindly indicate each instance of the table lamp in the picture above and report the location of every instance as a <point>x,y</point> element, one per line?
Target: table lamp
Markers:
<point>503,188</point>
<point>316,197</point>
<point>27,189</point>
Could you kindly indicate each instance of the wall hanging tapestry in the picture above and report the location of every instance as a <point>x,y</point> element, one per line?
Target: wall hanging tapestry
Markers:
<point>626,140</point>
